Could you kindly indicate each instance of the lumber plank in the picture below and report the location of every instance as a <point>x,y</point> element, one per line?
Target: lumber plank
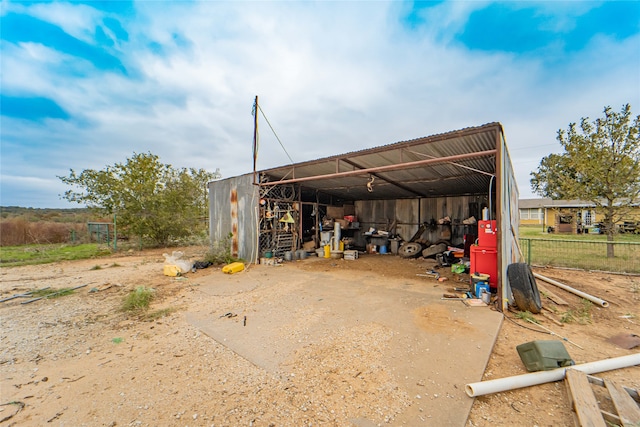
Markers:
<point>628,409</point>
<point>632,392</point>
<point>584,402</point>
<point>553,297</point>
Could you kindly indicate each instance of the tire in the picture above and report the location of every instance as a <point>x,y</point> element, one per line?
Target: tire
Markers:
<point>410,250</point>
<point>434,250</point>
<point>524,288</point>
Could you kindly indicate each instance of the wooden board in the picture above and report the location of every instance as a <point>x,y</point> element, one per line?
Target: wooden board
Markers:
<point>584,402</point>
<point>628,409</point>
<point>553,297</point>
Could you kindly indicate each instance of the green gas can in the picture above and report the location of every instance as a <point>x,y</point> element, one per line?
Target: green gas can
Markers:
<point>544,355</point>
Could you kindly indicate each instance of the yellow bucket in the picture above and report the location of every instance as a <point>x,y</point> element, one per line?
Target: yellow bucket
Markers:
<point>234,267</point>
<point>327,251</point>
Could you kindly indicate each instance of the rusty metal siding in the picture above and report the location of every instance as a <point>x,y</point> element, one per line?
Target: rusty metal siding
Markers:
<point>233,204</point>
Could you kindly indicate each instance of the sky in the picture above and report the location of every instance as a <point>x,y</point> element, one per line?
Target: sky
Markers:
<point>85,85</point>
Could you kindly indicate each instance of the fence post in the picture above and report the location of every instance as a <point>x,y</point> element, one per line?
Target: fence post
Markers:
<point>529,251</point>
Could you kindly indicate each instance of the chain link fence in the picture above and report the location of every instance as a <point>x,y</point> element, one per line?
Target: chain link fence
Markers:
<point>583,254</point>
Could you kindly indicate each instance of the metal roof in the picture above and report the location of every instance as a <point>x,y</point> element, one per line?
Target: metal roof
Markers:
<point>449,164</point>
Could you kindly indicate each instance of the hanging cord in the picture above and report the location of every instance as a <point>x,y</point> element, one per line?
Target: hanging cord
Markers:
<point>274,132</point>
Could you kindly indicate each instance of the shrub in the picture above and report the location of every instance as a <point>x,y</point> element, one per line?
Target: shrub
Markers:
<point>138,299</point>
<point>220,253</point>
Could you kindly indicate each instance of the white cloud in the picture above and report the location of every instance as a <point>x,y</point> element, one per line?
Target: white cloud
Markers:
<point>331,77</point>
<point>77,20</point>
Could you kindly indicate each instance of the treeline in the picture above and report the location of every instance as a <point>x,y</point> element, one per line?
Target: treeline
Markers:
<point>47,214</point>
<point>18,231</point>
<point>25,226</point>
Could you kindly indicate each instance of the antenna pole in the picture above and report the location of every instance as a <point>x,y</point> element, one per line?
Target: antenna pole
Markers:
<point>255,140</point>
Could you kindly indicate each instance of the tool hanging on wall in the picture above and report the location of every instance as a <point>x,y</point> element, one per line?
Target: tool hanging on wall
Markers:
<point>287,218</point>
<point>370,184</point>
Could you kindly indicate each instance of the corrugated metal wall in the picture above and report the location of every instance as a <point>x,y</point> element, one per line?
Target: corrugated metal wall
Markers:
<point>410,213</point>
<point>233,204</point>
<point>508,219</point>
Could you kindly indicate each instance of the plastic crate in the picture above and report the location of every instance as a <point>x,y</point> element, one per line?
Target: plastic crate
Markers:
<point>544,355</point>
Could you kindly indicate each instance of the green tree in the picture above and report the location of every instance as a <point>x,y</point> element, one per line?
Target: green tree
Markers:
<point>600,164</point>
<point>152,200</point>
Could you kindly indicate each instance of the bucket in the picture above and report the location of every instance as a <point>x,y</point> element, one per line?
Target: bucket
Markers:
<point>383,249</point>
<point>486,297</point>
<point>327,251</point>
<point>301,254</point>
<point>480,288</point>
<point>288,256</point>
<point>480,277</point>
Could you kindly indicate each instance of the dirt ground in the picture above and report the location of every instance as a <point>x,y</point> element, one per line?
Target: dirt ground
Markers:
<point>79,360</point>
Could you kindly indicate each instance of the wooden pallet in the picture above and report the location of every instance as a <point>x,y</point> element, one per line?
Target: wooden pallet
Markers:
<point>626,401</point>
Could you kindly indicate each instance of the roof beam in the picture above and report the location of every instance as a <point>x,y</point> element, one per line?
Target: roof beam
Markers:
<point>390,181</point>
<point>387,168</point>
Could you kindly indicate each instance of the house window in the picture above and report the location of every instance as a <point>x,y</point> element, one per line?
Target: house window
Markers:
<point>533,213</point>
<point>588,218</point>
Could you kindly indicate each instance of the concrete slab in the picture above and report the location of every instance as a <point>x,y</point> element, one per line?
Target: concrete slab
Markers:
<point>281,318</point>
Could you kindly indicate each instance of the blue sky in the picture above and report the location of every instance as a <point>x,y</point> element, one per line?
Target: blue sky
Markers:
<point>87,84</point>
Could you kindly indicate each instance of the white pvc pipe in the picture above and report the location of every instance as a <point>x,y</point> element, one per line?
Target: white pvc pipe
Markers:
<point>336,236</point>
<point>536,378</point>
<point>600,302</point>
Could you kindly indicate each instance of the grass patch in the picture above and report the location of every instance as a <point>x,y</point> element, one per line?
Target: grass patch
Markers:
<point>115,264</point>
<point>12,256</point>
<point>117,340</point>
<point>581,315</point>
<point>138,299</point>
<point>527,316</point>
<point>96,267</point>
<point>582,253</point>
<point>536,232</point>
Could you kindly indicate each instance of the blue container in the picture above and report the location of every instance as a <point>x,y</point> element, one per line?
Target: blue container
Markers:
<point>480,287</point>
<point>383,249</point>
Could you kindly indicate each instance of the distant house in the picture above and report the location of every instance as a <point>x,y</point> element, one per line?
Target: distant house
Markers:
<point>566,216</point>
